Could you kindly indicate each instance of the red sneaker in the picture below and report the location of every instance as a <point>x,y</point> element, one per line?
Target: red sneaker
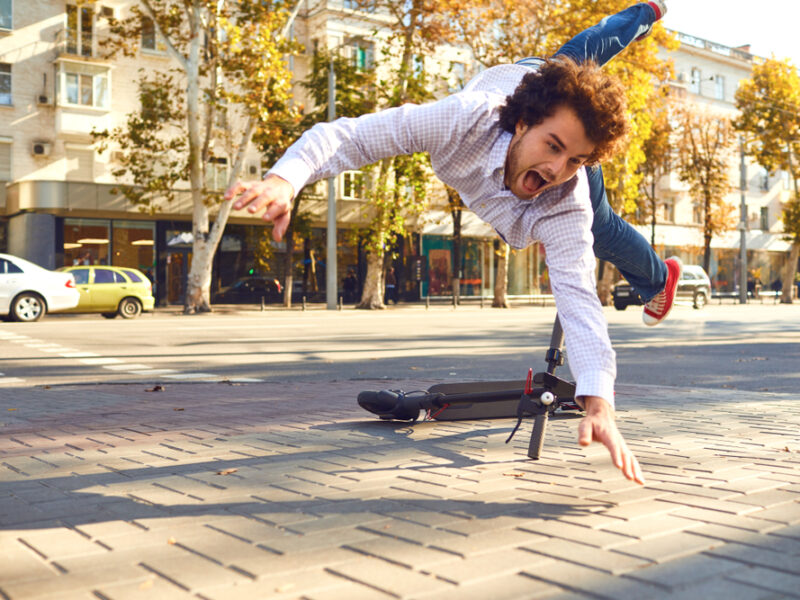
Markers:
<point>658,308</point>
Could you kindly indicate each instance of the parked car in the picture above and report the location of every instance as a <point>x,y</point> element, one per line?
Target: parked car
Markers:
<point>111,291</point>
<point>250,290</point>
<point>28,292</point>
<point>693,285</point>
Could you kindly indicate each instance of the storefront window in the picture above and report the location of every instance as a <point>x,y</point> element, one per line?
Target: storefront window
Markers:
<point>86,241</point>
<point>132,246</point>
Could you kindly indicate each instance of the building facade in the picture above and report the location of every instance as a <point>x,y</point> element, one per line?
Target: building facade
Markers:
<point>59,204</point>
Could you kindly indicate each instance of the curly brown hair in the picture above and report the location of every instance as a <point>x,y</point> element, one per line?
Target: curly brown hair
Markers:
<point>597,99</point>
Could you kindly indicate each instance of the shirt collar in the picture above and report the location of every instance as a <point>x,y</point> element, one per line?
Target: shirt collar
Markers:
<point>496,163</point>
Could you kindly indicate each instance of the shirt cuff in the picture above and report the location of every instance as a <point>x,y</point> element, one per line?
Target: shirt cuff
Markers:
<point>294,170</point>
<point>596,383</point>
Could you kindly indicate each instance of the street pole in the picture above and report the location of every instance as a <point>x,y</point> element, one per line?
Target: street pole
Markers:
<point>331,283</point>
<point>743,227</point>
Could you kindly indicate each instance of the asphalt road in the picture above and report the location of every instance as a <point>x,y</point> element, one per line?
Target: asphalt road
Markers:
<point>755,347</point>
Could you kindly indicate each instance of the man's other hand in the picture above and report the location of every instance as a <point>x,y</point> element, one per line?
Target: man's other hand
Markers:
<point>599,426</point>
<point>274,194</point>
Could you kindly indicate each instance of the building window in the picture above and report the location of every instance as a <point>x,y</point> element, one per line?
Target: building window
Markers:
<point>352,185</point>
<point>6,14</point>
<point>668,212</point>
<point>764,218</point>
<point>5,84</point>
<point>84,85</point>
<point>694,85</point>
<point>80,28</point>
<point>362,54</point>
<point>80,164</point>
<point>719,87</point>
<point>217,174</point>
<point>132,245</point>
<point>5,159</point>
<point>151,40</point>
<point>366,6</point>
<point>697,213</point>
<point>786,180</point>
<point>86,242</point>
<point>764,187</point>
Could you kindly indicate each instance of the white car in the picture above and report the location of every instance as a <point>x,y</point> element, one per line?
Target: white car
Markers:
<point>27,291</point>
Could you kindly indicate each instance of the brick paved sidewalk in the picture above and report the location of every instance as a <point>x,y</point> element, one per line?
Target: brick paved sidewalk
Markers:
<point>218,491</point>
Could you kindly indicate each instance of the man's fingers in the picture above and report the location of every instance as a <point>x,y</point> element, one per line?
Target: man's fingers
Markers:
<point>585,432</point>
<point>280,225</point>
<point>234,190</point>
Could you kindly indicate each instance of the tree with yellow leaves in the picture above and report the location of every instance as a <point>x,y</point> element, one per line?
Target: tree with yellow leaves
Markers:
<point>705,144</point>
<point>770,120</point>
<point>227,80</point>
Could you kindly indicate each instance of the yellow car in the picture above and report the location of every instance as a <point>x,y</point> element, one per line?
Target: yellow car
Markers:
<point>111,291</point>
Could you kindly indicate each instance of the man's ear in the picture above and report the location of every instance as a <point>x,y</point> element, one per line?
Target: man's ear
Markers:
<point>521,127</point>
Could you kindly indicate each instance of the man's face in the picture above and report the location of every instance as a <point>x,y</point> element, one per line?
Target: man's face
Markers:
<point>545,155</point>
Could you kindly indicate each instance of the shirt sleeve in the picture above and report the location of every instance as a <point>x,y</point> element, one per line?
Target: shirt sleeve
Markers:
<point>327,149</point>
<point>567,239</point>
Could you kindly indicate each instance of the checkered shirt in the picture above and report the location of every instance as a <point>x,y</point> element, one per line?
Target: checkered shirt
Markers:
<point>468,150</point>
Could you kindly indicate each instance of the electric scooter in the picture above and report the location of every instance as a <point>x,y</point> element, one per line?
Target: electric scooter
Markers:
<point>539,396</point>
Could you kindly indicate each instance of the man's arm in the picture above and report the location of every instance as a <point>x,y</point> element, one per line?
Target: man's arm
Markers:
<point>327,149</point>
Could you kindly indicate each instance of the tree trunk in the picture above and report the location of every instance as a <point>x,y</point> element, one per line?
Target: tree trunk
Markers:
<point>456,281</point>
<point>605,276</point>
<point>789,273</point>
<point>372,297</point>
<point>654,208</point>
<point>288,267</point>
<point>501,277</point>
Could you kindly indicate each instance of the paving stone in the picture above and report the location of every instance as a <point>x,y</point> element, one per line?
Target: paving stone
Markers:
<point>503,587</point>
<point>722,589</point>
<point>401,552</point>
<point>575,577</point>
<point>387,577</point>
<point>788,514</point>
<point>756,557</point>
<point>487,565</point>
<point>683,572</point>
<point>600,538</point>
<point>767,579</point>
<point>609,561</point>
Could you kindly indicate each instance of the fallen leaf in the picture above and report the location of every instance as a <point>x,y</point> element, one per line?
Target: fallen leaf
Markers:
<point>514,474</point>
<point>178,409</point>
<point>147,584</point>
<point>284,588</point>
<point>227,471</point>
<point>172,541</point>
<point>156,388</point>
<point>10,409</point>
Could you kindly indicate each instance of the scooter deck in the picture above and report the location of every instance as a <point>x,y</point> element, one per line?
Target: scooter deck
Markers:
<point>508,395</point>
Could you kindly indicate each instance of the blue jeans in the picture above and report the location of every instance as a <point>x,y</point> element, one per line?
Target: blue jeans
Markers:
<point>616,240</point>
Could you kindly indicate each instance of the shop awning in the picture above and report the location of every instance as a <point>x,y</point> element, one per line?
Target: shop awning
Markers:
<point>692,237</point>
<point>440,222</point>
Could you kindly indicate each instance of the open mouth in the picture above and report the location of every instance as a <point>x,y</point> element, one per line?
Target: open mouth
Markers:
<point>532,182</point>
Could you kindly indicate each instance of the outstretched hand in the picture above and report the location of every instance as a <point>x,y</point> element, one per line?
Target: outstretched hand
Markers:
<point>274,194</point>
<point>598,426</point>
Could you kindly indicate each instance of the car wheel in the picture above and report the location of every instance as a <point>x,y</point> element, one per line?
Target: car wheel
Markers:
<point>28,307</point>
<point>700,300</point>
<point>129,308</point>
<point>620,305</point>
<point>110,315</point>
